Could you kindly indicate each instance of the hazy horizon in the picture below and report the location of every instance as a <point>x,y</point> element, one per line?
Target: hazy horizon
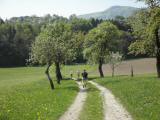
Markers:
<point>17,8</point>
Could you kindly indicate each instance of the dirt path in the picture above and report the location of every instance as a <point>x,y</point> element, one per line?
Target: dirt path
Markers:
<point>113,110</point>
<point>74,110</point>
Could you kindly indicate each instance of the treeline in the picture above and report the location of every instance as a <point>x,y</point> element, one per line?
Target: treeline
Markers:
<point>17,35</point>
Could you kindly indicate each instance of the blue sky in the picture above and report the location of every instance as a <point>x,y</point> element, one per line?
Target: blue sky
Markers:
<point>10,8</point>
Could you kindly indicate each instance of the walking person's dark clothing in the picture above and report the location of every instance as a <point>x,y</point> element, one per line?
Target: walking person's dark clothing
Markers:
<point>84,78</point>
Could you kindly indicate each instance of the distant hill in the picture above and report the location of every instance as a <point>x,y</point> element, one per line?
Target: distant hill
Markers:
<point>112,12</point>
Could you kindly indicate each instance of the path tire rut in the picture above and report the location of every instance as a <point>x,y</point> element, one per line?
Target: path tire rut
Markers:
<point>74,110</point>
<point>113,110</point>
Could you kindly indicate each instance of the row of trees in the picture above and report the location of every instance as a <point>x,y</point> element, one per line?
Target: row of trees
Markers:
<point>18,34</point>
<point>58,43</point>
<point>146,29</point>
<point>15,41</point>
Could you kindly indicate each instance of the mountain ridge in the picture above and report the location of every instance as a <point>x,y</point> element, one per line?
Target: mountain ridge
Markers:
<point>111,12</point>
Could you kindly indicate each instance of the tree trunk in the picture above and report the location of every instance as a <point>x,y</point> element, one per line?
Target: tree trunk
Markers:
<point>58,72</point>
<point>100,69</point>
<point>132,74</point>
<point>48,76</point>
<point>112,70</point>
<point>158,51</point>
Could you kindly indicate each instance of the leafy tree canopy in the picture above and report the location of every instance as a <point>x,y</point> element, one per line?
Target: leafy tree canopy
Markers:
<point>53,44</point>
<point>99,41</point>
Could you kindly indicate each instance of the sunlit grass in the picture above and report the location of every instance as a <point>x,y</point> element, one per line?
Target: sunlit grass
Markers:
<point>25,94</point>
<point>93,108</point>
<point>140,95</point>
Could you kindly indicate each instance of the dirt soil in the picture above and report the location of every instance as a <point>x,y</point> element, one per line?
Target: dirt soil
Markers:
<point>140,66</point>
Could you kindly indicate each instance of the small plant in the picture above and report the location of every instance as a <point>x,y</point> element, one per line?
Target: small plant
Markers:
<point>114,59</point>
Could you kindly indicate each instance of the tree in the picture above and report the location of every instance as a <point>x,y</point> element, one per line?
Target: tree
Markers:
<point>114,59</point>
<point>53,46</point>
<point>1,21</point>
<point>127,37</point>
<point>23,39</point>
<point>7,45</point>
<point>78,41</point>
<point>151,3</point>
<point>146,26</point>
<point>99,42</point>
<point>15,43</point>
<point>79,24</point>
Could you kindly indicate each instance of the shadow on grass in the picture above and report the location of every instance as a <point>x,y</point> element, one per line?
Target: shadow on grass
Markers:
<point>72,88</point>
<point>91,89</point>
<point>93,78</point>
<point>66,79</point>
<point>112,81</point>
<point>4,116</point>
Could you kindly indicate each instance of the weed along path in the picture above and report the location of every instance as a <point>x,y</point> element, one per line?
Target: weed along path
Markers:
<point>74,110</point>
<point>113,110</point>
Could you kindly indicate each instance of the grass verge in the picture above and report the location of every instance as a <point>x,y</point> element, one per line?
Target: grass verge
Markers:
<point>93,108</point>
<point>140,95</point>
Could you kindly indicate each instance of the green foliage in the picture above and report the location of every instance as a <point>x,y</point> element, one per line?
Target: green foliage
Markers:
<point>114,59</point>
<point>126,37</point>
<point>25,95</point>
<point>138,95</point>
<point>16,36</point>
<point>78,41</point>
<point>18,33</point>
<point>35,20</point>
<point>151,3</point>
<point>1,21</point>
<point>144,24</point>
<point>15,42</point>
<point>23,39</point>
<point>99,41</point>
<point>78,24</point>
<point>53,44</point>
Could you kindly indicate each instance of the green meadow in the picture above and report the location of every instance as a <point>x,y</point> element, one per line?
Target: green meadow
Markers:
<point>25,94</point>
<point>140,95</point>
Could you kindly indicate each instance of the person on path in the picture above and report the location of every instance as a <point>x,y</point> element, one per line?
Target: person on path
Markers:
<point>84,78</point>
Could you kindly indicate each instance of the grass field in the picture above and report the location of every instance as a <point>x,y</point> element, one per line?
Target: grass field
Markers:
<point>140,95</point>
<point>25,92</point>
<point>91,69</point>
<point>25,95</point>
<point>93,108</point>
